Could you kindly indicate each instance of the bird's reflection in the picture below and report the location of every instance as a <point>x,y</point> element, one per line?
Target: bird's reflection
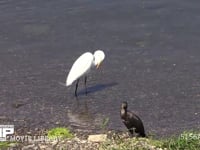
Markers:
<point>80,115</point>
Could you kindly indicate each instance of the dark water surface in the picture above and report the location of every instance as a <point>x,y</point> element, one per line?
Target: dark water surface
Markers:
<point>152,61</point>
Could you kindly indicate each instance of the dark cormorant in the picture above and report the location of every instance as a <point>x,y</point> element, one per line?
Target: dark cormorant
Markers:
<point>131,121</point>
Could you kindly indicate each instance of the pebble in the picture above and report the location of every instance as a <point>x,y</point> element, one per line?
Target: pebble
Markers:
<point>28,147</point>
<point>97,138</point>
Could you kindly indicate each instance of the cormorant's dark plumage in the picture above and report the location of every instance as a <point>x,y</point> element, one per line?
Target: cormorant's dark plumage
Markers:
<point>131,121</point>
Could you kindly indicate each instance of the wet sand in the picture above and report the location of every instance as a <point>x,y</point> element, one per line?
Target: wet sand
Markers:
<point>152,61</point>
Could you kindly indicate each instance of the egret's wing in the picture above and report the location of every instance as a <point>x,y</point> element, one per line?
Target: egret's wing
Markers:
<point>81,66</point>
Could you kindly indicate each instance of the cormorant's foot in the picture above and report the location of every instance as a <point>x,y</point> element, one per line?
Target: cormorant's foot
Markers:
<point>140,135</point>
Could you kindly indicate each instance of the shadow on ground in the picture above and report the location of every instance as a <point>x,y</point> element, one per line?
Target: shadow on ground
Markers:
<point>96,88</point>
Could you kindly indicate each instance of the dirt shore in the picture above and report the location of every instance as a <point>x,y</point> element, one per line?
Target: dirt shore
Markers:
<point>86,141</point>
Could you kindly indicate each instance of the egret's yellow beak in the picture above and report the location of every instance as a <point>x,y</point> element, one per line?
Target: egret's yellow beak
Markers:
<point>97,66</point>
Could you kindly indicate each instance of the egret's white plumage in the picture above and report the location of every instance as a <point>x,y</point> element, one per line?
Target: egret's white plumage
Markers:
<point>83,65</point>
<point>80,67</point>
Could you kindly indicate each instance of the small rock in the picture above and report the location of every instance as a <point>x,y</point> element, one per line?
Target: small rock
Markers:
<point>29,133</point>
<point>97,138</point>
<point>18,104</point>
<point>57,122</point>
<point>44,147</point>
<point>12,145</point>
<point>83,141</point>
<point>54,142</point>
<point>76,139</point>
<point>28,147</point>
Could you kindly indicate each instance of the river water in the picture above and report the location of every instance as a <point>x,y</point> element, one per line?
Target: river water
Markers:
<point>152,61</point>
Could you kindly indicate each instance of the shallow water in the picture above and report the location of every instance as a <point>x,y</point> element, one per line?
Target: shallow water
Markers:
<point>152,61</point>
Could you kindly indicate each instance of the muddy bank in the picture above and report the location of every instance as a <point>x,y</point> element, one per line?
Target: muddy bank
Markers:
<point>83,141</point>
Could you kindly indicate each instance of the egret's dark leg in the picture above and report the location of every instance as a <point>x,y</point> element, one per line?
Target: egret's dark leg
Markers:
<point>76,87</point>
<point>85,85</point>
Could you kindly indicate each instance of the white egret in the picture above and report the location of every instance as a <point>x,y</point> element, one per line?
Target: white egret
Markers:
<point>82,66</point>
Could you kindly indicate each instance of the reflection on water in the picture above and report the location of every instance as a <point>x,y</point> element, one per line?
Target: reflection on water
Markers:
<point>152,61</point>
<point>81,117</point>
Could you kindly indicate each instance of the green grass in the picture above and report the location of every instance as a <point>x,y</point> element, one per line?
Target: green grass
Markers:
<point>59,133</point>
<point>131,144</point>
<point>104,123</point>
<point>5,144</point>
<point>188,140</point>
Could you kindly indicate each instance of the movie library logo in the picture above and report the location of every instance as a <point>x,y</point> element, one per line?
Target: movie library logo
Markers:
<point>7,134</point>
<point>6,130</point>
